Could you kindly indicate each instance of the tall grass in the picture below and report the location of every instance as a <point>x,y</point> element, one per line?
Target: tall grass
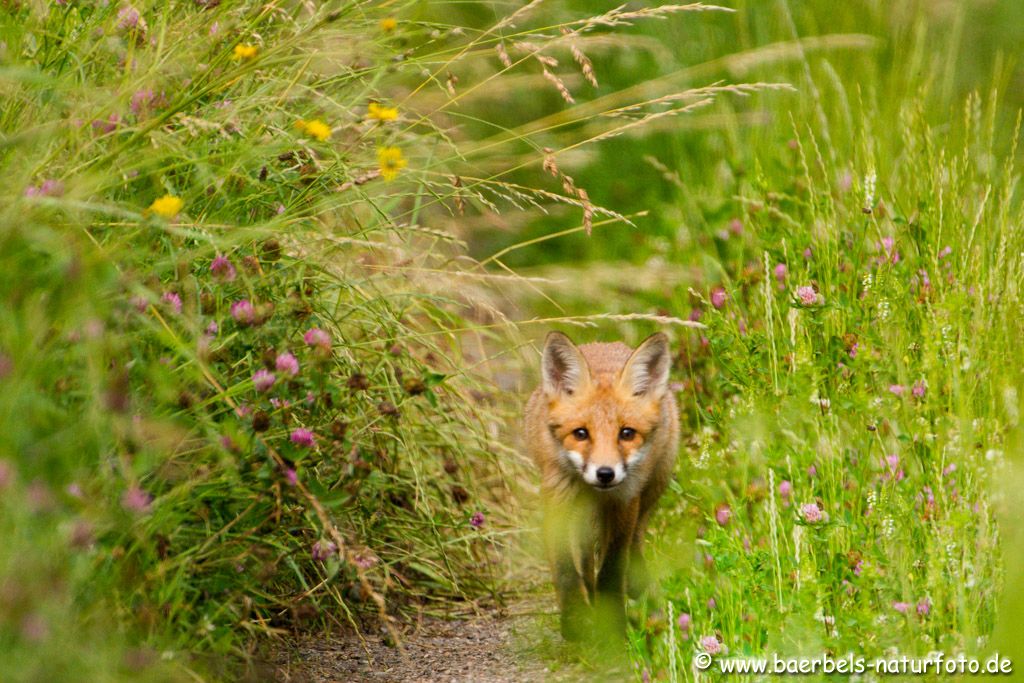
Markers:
<point>242,342</point>
<point>853,252</point>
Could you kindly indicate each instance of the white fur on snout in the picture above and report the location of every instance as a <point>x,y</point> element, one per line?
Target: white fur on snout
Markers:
<point>590,475</point>
<point>637,456</point>
<point>574,458</point>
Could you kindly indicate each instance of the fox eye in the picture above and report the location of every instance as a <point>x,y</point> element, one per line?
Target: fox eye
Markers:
<point>581,434</point>
<point>627,434</point>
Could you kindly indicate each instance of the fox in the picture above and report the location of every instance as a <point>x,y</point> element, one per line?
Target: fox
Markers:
<point>603,429</point>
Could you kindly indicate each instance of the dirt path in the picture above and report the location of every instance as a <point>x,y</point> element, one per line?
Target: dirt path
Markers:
<point>481,649</point>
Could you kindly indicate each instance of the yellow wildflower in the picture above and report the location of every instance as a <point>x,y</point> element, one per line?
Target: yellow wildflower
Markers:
<point>391,162</point>
<point>388,24</point>
<point>167,206</point>
<point>381,113</point>
<point>315,128</point>
<point>244,51</point>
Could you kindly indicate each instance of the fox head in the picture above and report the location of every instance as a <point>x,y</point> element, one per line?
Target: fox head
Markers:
<point>603,419</point>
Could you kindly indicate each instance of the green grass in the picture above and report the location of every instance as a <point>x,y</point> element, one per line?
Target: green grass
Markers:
<point>158,519</point>
<point>892,140</point>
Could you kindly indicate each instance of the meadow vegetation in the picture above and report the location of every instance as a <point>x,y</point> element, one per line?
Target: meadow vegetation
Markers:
<point>854,252</point>
<point>271,273</point>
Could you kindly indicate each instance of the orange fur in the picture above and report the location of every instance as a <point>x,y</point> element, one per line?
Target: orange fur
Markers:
<point>599,490</point>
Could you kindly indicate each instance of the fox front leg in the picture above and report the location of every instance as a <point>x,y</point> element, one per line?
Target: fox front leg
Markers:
<point>573,600</point>
<point>638,580</point>
<point>611,589</point>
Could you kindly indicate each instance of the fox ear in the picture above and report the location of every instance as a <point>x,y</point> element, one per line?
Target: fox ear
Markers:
<point>646,371</point>
<point>563,367</point>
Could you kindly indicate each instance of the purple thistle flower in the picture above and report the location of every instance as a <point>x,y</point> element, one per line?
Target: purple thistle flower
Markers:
<point>892,465</point>
<point>316,337</point>
<point>222,270</point>
<point>364,561</point>
<point>919,389</point>
<point>711,645</point>
<point>477,520</point>
<point>128,18</point>
<point>808,297</point>
<point>136,500</point>
<point>924,607</point>
<point>323,550</point>
<point>263,379</point>
<point>723,513</point>
<point>48,188</point>
<point>145,101</point>
<point>173,300</point>
<point>287,364</point>
<point>108,125</point>
<point>811,513</point>
<point>891,255</point>
<point>719,297</point>
<point>303,437</point>
<point>243,312</point>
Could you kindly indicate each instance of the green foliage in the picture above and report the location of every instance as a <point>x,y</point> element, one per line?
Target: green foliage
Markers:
<point>192,187</point>
<point>230,404</point>
<point>852,252</point>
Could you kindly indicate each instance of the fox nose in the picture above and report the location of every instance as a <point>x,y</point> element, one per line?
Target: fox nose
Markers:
<point>605,475</point>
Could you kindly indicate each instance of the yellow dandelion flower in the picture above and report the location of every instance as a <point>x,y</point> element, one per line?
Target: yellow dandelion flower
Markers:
<point>167,206</point>
<point>381,113</point>
<point>315,128</point>
<point>243,51</point>
<point>388,24</point>
<point>391,162</point>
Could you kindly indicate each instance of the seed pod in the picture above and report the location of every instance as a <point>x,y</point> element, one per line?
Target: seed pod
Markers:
<point>358,381</point>
<point>272,250</point>
<point>260,421</point>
